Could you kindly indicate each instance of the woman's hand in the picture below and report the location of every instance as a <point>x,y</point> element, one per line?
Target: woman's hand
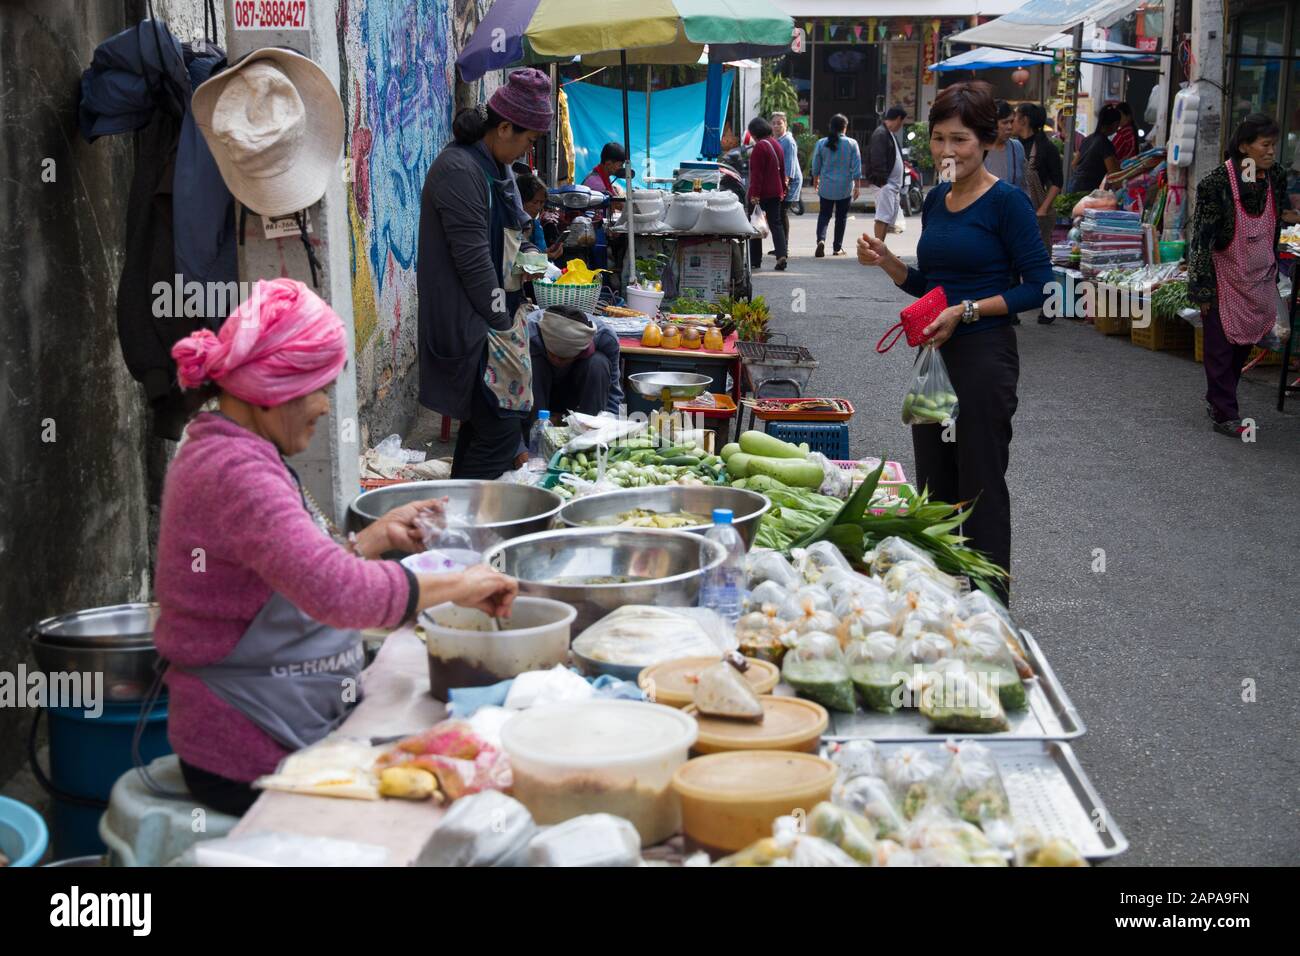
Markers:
<point>398,530</point>
<point>857,190</point>
<point>873,251</point>
<point>486,590</point>
<point>941,329</point>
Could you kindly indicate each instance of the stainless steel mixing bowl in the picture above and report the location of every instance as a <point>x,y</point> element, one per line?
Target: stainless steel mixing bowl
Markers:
<point>747,507</point>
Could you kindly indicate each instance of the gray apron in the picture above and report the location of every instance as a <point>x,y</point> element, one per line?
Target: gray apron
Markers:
<point>287,674</point>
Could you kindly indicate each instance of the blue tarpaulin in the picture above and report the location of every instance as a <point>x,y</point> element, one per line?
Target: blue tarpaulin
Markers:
<point>676,125</point>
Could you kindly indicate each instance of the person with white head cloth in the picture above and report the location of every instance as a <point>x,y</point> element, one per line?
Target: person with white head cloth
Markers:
<point>575,362</point>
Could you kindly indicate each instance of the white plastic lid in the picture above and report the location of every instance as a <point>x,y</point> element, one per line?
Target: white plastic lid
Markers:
<point>598,732</point>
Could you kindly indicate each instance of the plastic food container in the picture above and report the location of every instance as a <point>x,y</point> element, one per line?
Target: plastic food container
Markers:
<point>673,682</point>
<point>789,723</point>
<point>601,756</point>
<point>465,651</point>
<point>729,800</point>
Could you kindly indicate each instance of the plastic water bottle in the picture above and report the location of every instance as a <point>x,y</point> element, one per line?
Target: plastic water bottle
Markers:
<point>724,586</point>
<point>537,444</point>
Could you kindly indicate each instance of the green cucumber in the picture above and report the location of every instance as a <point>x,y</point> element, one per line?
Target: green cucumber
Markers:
<point>688,461</point>
<point>738,465</point>
<point>796,473</point>
<point>763,444</point>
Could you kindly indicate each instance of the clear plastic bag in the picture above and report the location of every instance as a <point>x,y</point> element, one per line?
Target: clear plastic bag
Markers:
<point>596,839</point>
<point>855,758</point>
<point>940,839</point>
<point>931,399</point>
<point>1031,849</point>
<point>763,635</point>
<point>873,672</point>
<point>866,591</point>
<point>854,834</point>
<point>836,481</point>
<point>641,635</point>
<point>870,797</point>
<point>892,551</point>
<point>771,566</point>
<point>722,691</point>
<point>913,776</point>
<point>953,697</point>
<point>463,762</point>
<point>808,610</point>
<point>982,612</point>
<point>815,669</point>
<point>986,652</point>
<point>815,560</point>
<point>972,787</point>
<point>487,829</point>
<point>768,595</point>
<point>923,578</point>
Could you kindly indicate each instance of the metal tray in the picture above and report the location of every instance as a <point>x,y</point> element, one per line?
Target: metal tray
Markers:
<point>1049,789</point>
<point>1049,716</point>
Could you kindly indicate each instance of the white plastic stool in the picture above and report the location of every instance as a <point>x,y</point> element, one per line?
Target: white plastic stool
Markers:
<point>142,828</point>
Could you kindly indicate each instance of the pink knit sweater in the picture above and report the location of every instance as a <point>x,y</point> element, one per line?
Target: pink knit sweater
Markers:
<point>229,494</point>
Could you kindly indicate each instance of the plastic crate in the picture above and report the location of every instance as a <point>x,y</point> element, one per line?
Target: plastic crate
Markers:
<point>583,297</point>
<point>831,440</point>
<point>1164,335</point>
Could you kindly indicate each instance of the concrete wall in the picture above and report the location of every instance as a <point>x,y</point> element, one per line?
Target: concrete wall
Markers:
<point>75,481</point>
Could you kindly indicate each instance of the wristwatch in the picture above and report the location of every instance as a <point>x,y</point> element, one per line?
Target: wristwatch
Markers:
<point>970,311</point>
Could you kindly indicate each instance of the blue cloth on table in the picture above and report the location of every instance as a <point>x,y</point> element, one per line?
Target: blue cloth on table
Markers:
<point>467,701</point>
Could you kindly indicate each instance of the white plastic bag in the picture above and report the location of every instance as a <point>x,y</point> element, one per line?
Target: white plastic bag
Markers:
<point>758,219</point>
<point>535,688</point>
<point>597,839</point>
<point>391,447</point>
<point>483,829</point>
<point>931,398</point>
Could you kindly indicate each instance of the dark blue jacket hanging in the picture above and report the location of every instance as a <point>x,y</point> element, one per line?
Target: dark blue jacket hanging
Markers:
<point>180,215</point>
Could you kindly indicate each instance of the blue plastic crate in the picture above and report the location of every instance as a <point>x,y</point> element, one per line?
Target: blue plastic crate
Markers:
<point>829,438</point>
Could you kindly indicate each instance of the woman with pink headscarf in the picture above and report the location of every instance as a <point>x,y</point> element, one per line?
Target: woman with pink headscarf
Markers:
<point>261,609</point>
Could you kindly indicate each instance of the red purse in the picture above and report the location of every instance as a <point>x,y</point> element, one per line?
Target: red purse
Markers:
<point>914,319</point>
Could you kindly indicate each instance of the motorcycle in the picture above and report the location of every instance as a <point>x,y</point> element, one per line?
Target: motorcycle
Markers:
<point>565,206</point>
<point>913,197</point>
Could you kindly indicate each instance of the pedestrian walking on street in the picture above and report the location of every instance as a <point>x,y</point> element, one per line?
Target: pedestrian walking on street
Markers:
<point>1232,262</point>
<point>767,190</point>
<point>885,169</point>
<point>836,168</point>
<point>976,232</point>
<point>470,221</point>
<point>793,171</point>
<point>1044,177</point>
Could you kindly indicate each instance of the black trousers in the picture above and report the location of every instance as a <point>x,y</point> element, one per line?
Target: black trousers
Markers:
<point>582,386</point>
<point>219,793</point>
<point>840,209</point>
<point>772,209</point>
<point>488,443</point>
<point>984,368</point>
<point>1224,361</point>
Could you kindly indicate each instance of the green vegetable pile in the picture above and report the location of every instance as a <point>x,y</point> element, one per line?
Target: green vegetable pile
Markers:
<point>761,455</point>
<point>647,460</point>
<point>929,525</point>
<point>689,305</point>
<point>1170,299</point>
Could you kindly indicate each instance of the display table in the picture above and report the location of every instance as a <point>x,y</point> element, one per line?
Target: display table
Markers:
<point>638,358</point>
<point>395,702</point>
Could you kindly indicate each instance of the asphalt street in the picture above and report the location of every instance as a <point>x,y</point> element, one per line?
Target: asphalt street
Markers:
<point>1181,656</point>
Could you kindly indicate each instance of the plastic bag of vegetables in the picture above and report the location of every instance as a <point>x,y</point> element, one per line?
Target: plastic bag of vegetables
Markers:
<point>815,669</point>
<point>924,578</point>
<point>870,797</point>
<point>767,595</point>
<point>972,787</point>
<point>953,697</point>
<point>763,635</point>
<point>854,834</point>
<point>856,757</point>
<point>809,610</point>
<point>913,776</point>
<point>931,399</point>
<point>892,551</point>
<point>871,668</point>
<point>987,653</point>
<point>940,839</point>
<point>771,566</point>
<point>1031,849</point>
<point>860,616</point>
<point>817,559</point>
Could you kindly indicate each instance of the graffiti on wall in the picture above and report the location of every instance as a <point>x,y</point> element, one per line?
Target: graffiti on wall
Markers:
<point>399,83</point>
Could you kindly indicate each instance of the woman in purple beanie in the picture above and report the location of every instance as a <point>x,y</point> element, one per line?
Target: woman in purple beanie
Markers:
<point>470,217</point>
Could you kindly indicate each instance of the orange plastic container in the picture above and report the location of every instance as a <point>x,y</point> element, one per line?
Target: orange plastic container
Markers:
<point>729,800</point>
<point>789,723</point>
<point>673,682</point>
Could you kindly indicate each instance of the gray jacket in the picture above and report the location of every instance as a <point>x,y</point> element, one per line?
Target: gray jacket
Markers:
<point>459,286</point>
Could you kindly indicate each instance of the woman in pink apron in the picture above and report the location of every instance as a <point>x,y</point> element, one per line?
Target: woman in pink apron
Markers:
<point>261,608</point>
<point>1240,207</point>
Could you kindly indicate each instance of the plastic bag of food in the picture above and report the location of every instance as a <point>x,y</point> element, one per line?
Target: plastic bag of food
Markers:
<point>763,635</point>
<point>334,767</point>
<point>640,635</point>
<point>856,757</point>
<point>982,612</point>
<point>771,566</point>
<point>943,840</point>
<point>870,797</point>
<point>972,787</point>
<point>892,551</point>
<point>953,697</point>
<point>463,762</point>
<point>809,610</point>
<point>769,594</point>
<point>722,691</point>
<point>914,576</point>
<point>931,399</point>
<point>797,851</point>
<point>913,775</point>
<point>859,616</point>
<point>1032,849</point>
<point>815,560</point>
<point>919,651</point>
<point>987,653</point>
<point>486,829</point>
<point>873,671</point>
<point>815,668</point>
<point>596,839</point>
<point>854,834</point>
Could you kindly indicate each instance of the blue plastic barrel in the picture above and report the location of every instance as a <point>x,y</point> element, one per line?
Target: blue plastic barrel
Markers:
<point>23,835</point>
<point>87,755</point>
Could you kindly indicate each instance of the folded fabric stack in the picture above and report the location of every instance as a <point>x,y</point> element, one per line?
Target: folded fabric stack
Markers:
<point>1110,239</point>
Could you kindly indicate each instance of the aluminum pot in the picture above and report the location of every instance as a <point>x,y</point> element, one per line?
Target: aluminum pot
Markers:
<point>664,568</point>
<point>747,507</point>
<point>116,641</point>
<point>493,511</point>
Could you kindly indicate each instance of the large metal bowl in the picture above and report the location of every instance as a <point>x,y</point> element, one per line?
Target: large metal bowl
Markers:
<point>747,507</point>
<point>114,641</point>
<point>652,385</point>
<point>493,511</point>
<point>665,566</point>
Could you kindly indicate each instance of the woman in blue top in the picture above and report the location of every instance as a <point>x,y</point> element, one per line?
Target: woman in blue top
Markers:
<point>836,169</point>
<point>977,232</point>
